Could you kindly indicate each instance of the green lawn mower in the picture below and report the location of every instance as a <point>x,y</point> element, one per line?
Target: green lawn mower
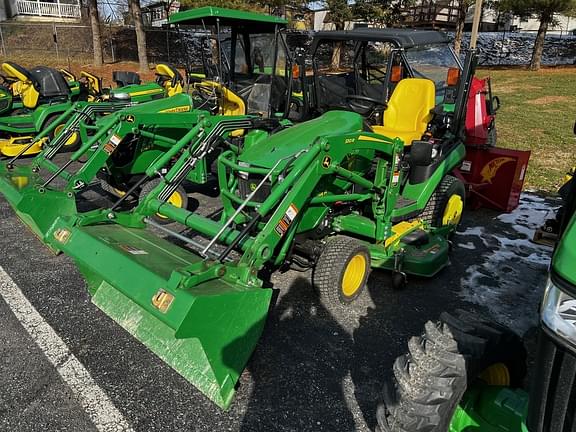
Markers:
<point>466,372</point>
<point>45,95</point>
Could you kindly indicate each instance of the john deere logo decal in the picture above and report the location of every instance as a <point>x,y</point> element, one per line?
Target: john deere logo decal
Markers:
<point>178,109</point>
<point>491,168</point>
<point>130,118</point>
<point>326,162</point>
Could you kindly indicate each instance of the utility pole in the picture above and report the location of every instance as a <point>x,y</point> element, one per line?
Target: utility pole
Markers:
<point>476,24</point>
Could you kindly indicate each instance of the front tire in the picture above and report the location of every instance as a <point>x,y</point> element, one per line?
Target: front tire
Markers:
<point>429,381</point>
<point>342,270</point>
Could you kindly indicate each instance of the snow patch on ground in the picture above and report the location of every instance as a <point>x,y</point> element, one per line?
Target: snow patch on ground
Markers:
<point>467,245</point>
<point>510,274</point>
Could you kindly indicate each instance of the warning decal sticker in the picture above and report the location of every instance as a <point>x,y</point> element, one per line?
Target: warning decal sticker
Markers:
<point>111,145</point>
<point>286,220</point>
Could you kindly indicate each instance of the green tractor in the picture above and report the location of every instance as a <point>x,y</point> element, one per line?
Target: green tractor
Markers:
<point>466,372</point>
<point>44,95</point>
<point>330,194</point>
<point>141,134</point>
<point>336,194</point>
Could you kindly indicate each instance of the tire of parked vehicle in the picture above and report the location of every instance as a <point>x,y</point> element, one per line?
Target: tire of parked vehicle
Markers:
<point>429,381</point>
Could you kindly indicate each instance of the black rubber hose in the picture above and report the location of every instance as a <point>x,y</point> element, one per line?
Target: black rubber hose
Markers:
<point>239,238</point>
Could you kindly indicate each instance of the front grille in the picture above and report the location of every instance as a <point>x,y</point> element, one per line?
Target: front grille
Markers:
<point>553,394</point>
<point>247,185</point>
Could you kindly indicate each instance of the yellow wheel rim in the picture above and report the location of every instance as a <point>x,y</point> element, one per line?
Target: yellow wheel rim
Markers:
<point>176,200</point>
<point>70,141</point>
<point>120,193</point>
<point>453,211</point>
<point>354,275</point>
<point>496,375</point>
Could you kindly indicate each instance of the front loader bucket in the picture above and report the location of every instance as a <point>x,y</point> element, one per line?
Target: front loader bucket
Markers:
<point>38,208</point>
<point>205,331</point>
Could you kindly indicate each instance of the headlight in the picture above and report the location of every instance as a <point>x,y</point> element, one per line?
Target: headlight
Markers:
<point>559,312</point>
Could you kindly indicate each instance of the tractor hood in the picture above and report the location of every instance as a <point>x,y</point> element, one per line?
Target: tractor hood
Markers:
<point>300,137</point>
<point>178,103</point>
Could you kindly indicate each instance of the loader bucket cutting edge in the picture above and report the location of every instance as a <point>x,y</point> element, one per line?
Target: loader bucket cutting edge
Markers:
<point>206,332</point>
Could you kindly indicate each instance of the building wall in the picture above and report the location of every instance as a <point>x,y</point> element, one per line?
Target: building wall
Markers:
<point>8,11</point>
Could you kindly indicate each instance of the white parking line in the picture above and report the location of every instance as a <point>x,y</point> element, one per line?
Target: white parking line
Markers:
<point>93,399</point>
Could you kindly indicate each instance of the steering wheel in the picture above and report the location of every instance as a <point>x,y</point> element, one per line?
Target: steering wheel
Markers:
<point>7,81</point>
<point>208,96</point>
<point>364,105</point>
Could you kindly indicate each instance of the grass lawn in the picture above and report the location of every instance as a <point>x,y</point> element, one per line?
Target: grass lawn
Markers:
<point>538,114</point>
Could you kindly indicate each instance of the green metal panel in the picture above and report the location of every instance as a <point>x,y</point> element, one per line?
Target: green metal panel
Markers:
<point>141,92</point>
<point>426,260</point>
<point>33,122</point>
<point>565,255</point>
<point>301,136</point>
<point>422,192</point>
<point>208,331</point>
<point>491,409</point>
<point>208,15</point>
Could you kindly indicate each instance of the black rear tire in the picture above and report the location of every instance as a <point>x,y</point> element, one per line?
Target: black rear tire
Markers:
<point>429,381</point>
<point>328,274</point>
<point>436,206</point>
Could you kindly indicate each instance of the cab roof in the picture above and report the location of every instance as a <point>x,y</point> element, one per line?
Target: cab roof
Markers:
<point>403,38</point>
<point>209,15</point>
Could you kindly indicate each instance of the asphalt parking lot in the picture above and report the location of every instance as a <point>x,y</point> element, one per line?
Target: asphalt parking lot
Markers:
<point>312,370</point>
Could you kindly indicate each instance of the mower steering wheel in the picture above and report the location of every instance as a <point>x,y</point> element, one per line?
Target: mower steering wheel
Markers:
<point>364,105</point>
<point>208,98</point>
<point>4,80</point>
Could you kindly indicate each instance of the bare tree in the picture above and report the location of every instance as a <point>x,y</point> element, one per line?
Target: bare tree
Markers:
<point>544,10</point>
<point>136,13</point>
<point>96,37</point>
<point>463,6</point>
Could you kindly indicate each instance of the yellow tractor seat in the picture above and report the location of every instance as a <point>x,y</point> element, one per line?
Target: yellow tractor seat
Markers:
<point>94,83</point>
<point>229,103</point>
<point>24,85</point>
<point>409,110</point>
<point>169,78</point>
<point>68,76</point>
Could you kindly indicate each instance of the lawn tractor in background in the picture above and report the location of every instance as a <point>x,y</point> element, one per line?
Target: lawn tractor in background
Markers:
<point>168,82</point>
<point>330,194</point>
<point>359,70</point>
<point>116,150</point>
<point>466,372</point>
<point>41,119</point>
